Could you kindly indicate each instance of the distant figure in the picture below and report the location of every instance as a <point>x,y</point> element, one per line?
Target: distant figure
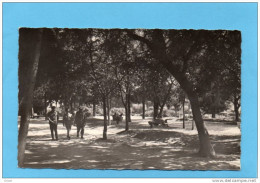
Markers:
<point>67,122</point>
<point>80,121</point>
<point>52,116</point>
<point>115,117</point>
<point>120,118</point>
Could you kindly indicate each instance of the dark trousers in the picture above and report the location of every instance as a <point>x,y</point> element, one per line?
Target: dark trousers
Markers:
<point>53,128</point>
<point>81,130</point>
<point>68,127</point>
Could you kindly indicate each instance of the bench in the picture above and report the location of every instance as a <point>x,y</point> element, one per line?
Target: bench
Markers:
<point>35,115</point>
<point>158,122</point>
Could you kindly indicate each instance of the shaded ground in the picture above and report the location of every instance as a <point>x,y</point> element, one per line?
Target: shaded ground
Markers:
<point>140,148</point>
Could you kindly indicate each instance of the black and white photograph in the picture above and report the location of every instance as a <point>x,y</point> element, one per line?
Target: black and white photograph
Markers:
<point>129,99</point>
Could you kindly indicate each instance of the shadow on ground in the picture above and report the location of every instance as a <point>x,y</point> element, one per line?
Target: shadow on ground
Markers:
<point>139,148</point>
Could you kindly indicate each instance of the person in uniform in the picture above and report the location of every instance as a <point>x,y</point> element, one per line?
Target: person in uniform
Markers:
<point>80,122</point>
<point>67,122</point>
<point>52,116</point>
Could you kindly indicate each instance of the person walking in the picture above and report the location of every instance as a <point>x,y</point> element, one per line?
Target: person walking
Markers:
<point>52,116</point>
<point>80,122</point>
<point>67,122</point>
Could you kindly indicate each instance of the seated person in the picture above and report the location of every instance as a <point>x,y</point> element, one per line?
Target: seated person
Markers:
<point>158,121</point>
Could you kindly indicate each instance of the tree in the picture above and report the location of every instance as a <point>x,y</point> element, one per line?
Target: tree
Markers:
<point>161,84</point>
<point>125,77</point>
<point>142,69</point>
<point>176,50</point>
<point>121,50</point>
<point>29,54</point>
<point>142,89</point>
<point>214,101</point>
<point>102,70</point>
<point>222,62</point>
<point>100,64</point>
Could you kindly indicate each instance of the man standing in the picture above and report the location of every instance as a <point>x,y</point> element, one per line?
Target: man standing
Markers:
<point>52,116</point>
<point>80,121</point>
<point>67,122</point>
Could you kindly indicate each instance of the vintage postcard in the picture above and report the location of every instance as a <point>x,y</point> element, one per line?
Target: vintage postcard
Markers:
<point>129,99</point>
<point>130,90</point>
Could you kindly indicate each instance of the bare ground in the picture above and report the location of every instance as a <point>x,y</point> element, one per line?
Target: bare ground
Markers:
<point>140,148</point>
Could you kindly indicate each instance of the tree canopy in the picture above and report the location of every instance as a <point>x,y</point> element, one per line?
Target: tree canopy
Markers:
<point>93,66</point>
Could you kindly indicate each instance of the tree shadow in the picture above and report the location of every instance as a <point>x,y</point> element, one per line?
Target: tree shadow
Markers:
<point>103,154</point>
<point>139,148</point>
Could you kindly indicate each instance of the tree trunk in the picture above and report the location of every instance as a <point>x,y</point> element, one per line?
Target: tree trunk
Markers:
<point>126,110</point>
<point>129,108</point>
<point>128,101</point>
<point>236,108</point>
<point>213,115</point>
<point>126,118</point>
<point>236,114</point>
<point>32,111</point>
<point>161,110</point>
<point>165,100</point>
<point>155,108</point>
<point>108,111</point>
<point>105,119</point>
<point>159,51</point>
<point>143,99</point>
<point>143,115</point>
<point>126,114</point>
<point>71,106</point>
<point>206,148</point>
<point>183,112</point>
<point>27,79</point>
<point>45,106</point>
<point>94,108</point>
<point>213,111</point>
<point>23,131</point>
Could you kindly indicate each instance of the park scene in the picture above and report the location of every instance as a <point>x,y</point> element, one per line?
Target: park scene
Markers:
<point>139,99</point>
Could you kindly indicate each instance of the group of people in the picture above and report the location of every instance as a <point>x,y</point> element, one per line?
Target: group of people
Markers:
<point>118,118</point>
<point>78,119</point>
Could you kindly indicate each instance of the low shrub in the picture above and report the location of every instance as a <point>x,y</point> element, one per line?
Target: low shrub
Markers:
<point>166,113</point>
<point>169,113</point>
<point>148,113</point>
<point>117,110</point>
<point>137,108</point>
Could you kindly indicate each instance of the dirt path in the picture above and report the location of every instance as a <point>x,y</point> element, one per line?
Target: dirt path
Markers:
<point>140,148</point>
